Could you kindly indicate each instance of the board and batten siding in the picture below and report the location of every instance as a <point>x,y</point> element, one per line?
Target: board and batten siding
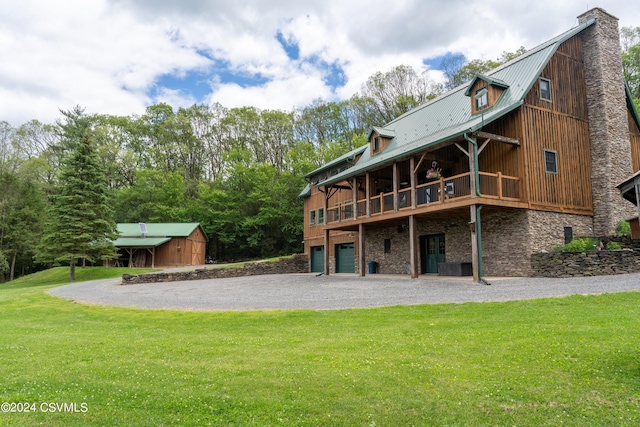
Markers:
<point>560,126</point>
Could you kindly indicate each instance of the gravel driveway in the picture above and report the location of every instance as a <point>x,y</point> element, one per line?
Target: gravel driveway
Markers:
<point>337,291</point>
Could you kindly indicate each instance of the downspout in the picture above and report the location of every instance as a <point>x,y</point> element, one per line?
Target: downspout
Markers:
<point>479,208</point>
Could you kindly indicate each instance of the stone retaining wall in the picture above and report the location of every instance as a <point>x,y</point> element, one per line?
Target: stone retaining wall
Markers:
<point>298,263</point>
<point>589,263</point>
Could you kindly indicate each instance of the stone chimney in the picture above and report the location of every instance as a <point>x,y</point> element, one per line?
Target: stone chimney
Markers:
<point>608,121</point>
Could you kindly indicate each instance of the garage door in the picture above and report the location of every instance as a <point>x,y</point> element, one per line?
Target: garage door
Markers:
<point>317,259</point>
<point>345,258</point>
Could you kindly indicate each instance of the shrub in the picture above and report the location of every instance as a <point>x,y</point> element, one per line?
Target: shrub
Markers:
<point>623,228</point>
<point>578,245</point>
<point>612,246</point>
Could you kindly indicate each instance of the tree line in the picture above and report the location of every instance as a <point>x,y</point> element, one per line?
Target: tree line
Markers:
<point>236,171</point>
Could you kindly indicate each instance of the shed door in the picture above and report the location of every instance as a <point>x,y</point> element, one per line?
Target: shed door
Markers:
<point>345,258</point>
<point>317,259</point>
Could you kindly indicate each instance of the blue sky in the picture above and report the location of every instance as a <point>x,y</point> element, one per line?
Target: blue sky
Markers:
<point>120,56</point>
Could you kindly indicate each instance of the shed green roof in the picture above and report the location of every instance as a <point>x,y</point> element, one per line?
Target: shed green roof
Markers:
<point>140,242</point>
<point>449,115</point>
<point>169,229</point>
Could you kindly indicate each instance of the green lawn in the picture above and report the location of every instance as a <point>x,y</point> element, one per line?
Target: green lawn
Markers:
<point>561,361</point>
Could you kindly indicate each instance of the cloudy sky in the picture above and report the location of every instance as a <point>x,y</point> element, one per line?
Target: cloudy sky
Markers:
<point>119,56</point>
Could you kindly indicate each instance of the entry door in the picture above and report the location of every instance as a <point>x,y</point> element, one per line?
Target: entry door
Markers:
<point>317,259</point>
<point>433,252</point>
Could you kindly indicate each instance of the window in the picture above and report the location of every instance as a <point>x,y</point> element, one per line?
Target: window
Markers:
<point>387,246</point>
<point>482,98</point>
<point>376,144</point>
<point>545,89</point>
<point>550,161</point>
<point>320,215</point>
<point>312,217</point>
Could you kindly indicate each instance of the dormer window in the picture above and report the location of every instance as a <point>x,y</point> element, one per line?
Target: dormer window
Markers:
<point>482,98</point>
<point>376,144</point>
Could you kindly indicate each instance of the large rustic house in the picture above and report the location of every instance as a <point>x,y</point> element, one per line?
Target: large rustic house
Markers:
<point>517,161</point>
<point>160,244</point>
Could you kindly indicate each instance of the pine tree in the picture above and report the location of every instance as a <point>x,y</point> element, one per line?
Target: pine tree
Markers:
<point>79,224</point>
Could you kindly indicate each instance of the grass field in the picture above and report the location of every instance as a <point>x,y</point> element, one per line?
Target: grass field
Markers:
<point>562,361</point>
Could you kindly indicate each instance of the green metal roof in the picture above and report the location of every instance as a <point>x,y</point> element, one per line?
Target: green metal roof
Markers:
<point>306,192</point>
<point>449,115</point>
<point>170,229</point>
<point>140,242</point>
<point>350,156</point>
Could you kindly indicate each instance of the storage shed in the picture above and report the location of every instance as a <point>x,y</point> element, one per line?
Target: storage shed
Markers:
<point>160,244</point>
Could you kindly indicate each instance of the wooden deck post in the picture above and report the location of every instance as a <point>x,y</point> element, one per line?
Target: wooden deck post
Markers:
<point>367,186</point>
<point>395,186</point>
<point>412,167</point>
<point>413,246</point>
<point>326,252</point>
<point>361,250</point>
<point>475,261</point>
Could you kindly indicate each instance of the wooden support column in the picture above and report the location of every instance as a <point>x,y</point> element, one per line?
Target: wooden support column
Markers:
<point>361,250</point>
<point>395,187</point>
<point>412,167</point>
<point>355,198</point>
<point>475,261</point>
<point>638,197</point>
<point>326,252</point>
<point>472,169</point>
<point>413,246</point>
<point>367,186</point>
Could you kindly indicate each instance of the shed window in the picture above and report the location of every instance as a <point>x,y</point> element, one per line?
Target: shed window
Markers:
<point>545,89</point>
<point>550,161</point>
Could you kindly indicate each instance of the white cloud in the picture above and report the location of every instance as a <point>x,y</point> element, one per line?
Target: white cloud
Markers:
<point>108,55</point>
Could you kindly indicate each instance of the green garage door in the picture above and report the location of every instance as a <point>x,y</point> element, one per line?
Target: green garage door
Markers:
<point>317,259</point>
<point>345,258</point>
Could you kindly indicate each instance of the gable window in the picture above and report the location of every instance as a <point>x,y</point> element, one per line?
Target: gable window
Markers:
<point>312,217</point>
<point>320,215</point>
<point>550,161</point>
<point>482,98</point>
<point>545,89</point>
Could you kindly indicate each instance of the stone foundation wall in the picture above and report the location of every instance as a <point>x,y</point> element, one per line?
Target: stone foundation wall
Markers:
<point>590,263</point>
<point>394,262</point>
<point>298,263</point>
<point>506,243</point>
<point>547,228</point>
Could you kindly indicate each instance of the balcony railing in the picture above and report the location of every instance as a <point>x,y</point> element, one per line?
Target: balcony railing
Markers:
<point>442,191</point>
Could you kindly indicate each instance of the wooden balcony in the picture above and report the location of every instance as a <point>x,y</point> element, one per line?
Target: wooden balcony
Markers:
<point>495,189</point>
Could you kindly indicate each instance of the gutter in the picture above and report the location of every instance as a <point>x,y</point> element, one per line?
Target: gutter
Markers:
<point>479,207</point>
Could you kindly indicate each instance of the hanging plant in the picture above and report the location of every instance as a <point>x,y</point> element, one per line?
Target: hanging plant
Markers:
<point>435,172</point>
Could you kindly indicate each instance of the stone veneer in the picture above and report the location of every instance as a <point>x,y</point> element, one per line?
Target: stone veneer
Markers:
<point>608,125</point>
<point>509,238</point>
